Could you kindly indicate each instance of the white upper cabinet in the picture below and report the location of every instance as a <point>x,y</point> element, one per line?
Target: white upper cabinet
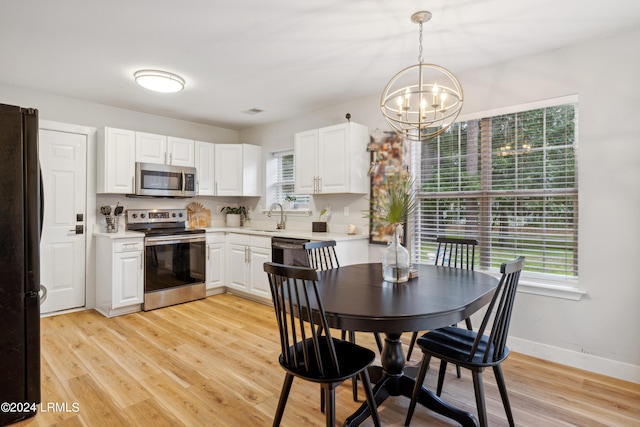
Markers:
<point>305,148</point>
<point>181,151</point>
<point>152,148</point>
<point>204,160</point>
<point>116,161</point>
<point>238,170</point>
<point>332,160</point>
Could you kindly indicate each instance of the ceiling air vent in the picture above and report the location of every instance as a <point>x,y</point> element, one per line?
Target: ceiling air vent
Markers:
<point>253,111</point>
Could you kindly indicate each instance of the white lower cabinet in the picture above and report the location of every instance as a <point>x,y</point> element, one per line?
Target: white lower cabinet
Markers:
<point>245,273</point>
<point>215,263</point>
<point>119,274</point>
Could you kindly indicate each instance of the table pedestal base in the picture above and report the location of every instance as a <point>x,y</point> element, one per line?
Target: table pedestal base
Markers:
<point>391,380</point>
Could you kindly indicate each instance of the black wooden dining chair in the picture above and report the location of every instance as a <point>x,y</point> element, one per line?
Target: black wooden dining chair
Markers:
<point>305,353</point>
<point>475,350</point>
<point>322,256</point>
<point>452,252</point>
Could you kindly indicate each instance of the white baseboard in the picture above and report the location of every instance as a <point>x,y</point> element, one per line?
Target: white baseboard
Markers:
<point>588,362</point>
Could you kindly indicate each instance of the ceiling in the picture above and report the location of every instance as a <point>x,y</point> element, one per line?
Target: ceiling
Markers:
<point>286,57</point>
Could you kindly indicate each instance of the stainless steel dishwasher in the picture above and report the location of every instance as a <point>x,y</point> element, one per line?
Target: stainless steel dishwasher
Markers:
<point>289,251</point>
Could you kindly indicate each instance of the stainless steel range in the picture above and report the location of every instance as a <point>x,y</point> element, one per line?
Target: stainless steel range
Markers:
<point>174,262</point>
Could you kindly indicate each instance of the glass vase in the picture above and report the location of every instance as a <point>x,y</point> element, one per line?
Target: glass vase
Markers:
<point>395,260</point>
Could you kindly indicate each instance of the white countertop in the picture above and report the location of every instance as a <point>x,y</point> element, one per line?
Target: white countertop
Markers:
<point>296,234</point>
<point>121,234</point>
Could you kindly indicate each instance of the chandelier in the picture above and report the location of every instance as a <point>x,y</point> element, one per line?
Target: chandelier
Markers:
<point>423,100</point>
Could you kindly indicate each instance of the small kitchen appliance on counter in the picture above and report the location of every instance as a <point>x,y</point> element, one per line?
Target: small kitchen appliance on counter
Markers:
<point>175,256</point>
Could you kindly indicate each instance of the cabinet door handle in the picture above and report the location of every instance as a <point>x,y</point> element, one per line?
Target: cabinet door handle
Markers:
<point>170,158</point>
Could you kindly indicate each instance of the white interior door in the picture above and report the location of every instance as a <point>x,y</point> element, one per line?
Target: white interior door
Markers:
<point>63,159</point>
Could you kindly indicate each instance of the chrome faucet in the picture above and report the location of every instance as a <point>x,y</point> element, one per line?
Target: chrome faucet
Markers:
<point>279,225</point>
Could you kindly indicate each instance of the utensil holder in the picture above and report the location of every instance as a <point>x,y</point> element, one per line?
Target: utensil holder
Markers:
<point>112,223</point>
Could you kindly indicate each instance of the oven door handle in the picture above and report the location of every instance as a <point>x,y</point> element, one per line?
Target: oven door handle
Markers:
<point>170,240</point>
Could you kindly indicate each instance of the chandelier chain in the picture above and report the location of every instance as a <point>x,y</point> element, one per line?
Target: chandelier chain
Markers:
<point>420,48</point>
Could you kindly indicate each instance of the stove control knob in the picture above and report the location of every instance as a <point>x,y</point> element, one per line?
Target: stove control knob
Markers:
<point>173,215</point>
<point>134,215</point>
<point>142,215</point>
<point>180,214</point>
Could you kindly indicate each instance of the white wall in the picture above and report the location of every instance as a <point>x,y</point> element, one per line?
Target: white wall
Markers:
<point>60,109</point>
<point>73,111</point>
<point>601,332</point>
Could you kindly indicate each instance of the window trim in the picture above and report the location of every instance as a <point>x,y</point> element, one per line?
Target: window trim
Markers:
<point>271,182</point>
<point>552,287</point>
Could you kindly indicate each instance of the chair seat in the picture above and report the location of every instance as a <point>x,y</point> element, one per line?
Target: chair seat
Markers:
<point>454,344</point>
<point>353,360</point>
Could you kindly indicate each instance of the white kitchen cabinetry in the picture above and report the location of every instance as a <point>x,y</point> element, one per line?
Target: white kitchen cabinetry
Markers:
<point>116,159</point>
<point>238,170</point>
<point>119,275</point>
<point>204,160</point>
<point>332,160</point>
<point>247,254</point>
<point>152,148</point>
<point>181,151</point>
<point>215,263</point>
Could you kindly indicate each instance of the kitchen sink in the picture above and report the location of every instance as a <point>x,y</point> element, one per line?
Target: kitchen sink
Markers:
<point>264,230</point>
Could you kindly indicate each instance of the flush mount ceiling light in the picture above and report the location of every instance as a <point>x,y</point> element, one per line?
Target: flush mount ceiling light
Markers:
<point>423,100</point>
<point>159,81</point>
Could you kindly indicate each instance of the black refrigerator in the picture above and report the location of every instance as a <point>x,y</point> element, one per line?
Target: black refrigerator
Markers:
<point>20,226</point>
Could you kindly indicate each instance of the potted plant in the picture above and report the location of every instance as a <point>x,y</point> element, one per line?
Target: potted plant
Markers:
<point>393,207</point>
<point>319,225</point>
<point>235,215</point>
<point>290,201</point>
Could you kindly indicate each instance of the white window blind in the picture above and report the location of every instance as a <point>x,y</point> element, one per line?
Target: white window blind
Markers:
<point>509,181</point>
<point>283,179</point>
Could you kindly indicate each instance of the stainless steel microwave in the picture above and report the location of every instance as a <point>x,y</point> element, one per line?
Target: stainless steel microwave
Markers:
<point>164,180</point>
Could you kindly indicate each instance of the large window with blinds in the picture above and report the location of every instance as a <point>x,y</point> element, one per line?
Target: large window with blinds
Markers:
<point>281,181</point>
<point>509,181</point>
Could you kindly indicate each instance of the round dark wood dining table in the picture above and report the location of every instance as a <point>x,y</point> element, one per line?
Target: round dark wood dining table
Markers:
<point>356,298</point>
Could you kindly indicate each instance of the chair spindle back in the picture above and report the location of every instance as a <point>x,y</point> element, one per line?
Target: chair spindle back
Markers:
<point>455,252</point>
<point>503,298</point>
<point>322,255</point>
<point>299,312</point>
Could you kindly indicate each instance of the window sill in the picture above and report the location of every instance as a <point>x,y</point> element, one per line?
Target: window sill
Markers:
<point>555,291</point>
<point>530,286</point>
<point>290,212</point>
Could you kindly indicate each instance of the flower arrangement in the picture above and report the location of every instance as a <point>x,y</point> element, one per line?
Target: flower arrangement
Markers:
<point>319,225</point>
<point>234,210</point>
<point>241,211</point>
<point>394,205</point>
<point>397,202</point>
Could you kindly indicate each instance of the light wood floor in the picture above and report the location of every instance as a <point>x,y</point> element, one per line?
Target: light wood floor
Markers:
<point>214,363</point>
